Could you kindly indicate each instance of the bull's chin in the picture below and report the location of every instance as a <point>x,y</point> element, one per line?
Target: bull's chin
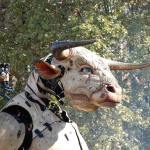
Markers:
<point>81,102</point>
<point>109,104</point>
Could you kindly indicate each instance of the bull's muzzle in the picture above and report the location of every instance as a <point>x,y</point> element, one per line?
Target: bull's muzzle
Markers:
<point>108,96</point>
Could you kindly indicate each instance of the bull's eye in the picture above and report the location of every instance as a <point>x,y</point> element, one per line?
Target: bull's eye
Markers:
<point>86,70</point>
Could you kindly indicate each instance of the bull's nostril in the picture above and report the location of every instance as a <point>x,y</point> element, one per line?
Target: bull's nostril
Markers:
<point>110,88</point>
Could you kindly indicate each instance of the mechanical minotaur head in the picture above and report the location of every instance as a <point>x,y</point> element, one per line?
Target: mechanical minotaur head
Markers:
<point>86,77</point>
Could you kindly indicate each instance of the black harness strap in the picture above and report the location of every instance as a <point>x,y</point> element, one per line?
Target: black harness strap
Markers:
<point>53,107</point>
<point>22,116</point>
<point>42,107</point>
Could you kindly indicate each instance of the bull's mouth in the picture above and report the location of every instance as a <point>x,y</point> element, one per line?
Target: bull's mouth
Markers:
<point>108,103</point>
<point>107,96</point>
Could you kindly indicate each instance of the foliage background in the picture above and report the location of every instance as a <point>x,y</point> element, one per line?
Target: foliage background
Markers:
<point>28,27</point>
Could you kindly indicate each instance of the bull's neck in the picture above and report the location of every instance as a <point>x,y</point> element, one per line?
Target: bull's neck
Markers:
<point>36,89</point>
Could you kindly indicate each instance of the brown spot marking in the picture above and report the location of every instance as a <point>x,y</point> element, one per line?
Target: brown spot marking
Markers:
<point>71,62</point>
<point>68,69</point>
<point>103,95</point>
<point>80,62</point>
<point>88,79</point>
<point>19,134</point>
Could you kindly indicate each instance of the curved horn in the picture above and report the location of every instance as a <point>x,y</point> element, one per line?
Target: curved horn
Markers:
<point>59,47</point>
<point>115,65</point>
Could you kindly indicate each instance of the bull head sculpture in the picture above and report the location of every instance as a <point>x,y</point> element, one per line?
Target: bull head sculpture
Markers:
<point>87,78</point>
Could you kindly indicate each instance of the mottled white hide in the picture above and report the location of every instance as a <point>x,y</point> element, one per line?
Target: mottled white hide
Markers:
<point>11,132</point>
<point>88,82</point>
<point>62,136</point>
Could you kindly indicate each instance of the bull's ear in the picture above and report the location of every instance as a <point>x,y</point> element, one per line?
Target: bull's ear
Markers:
<point>46,70</point>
